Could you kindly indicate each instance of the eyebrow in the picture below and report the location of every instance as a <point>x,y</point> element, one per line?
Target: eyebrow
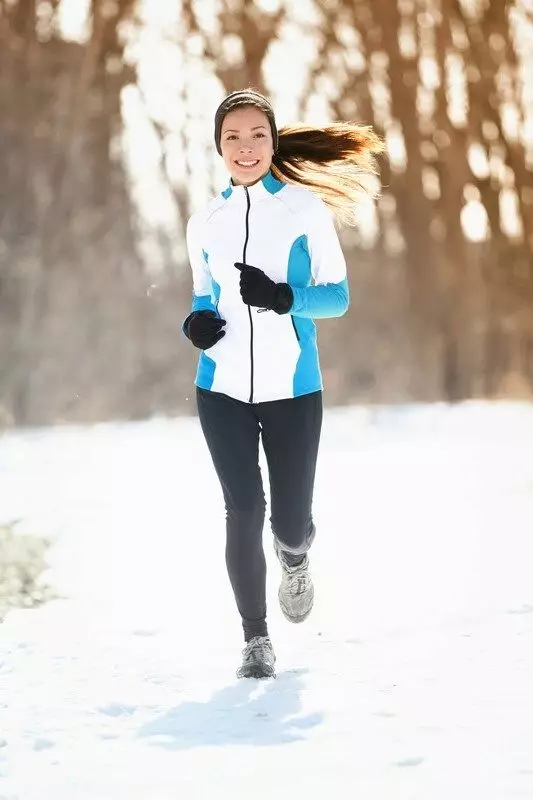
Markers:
<point>235,130</point>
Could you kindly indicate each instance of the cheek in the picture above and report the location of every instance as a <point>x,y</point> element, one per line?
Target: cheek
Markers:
<point>266,148</point>
<point>227,154</point>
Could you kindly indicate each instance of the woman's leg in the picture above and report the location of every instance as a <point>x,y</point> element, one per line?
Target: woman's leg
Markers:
<point>231,430</point>
<point>291,434</point>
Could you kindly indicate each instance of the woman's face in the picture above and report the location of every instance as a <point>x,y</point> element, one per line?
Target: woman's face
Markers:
<point>246,144</point>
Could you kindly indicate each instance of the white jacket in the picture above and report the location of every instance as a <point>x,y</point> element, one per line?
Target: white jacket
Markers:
<point>288,232</point>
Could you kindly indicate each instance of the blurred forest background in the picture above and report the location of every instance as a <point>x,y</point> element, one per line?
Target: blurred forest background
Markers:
<point>106,120</point>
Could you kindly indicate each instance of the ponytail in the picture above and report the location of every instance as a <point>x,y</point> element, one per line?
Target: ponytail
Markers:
<point>336,161</point>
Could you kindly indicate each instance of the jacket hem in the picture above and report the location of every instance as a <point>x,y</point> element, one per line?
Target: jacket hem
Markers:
<point>244,397</point>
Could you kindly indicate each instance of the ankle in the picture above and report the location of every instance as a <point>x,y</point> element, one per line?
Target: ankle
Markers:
<point>251,631</point>
<point>293,561</point>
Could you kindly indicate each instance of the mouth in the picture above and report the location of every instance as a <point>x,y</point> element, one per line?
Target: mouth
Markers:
<point>247,164</point>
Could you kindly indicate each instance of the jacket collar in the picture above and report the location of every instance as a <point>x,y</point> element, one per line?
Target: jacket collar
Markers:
<point>263,188</point>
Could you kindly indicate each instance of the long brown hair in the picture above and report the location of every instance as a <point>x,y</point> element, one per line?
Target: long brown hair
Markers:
<point>337,161</point>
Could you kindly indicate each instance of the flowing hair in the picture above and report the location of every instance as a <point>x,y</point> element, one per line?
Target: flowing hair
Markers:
<point>336,161</point>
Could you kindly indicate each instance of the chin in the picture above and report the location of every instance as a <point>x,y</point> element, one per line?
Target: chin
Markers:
<point>244,176</point>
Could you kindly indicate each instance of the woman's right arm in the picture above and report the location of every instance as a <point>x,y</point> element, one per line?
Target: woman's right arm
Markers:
<point>202,294</point>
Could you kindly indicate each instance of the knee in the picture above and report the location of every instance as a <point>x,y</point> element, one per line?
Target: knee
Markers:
<point>245,504</point>
<point>245,518</point>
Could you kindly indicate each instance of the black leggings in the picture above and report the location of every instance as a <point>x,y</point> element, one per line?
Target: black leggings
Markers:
<point>290,432</point>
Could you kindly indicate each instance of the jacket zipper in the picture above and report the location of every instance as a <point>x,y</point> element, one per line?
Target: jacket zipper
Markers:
<point>251,398</point>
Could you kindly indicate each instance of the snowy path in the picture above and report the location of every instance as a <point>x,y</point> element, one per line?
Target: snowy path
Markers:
<point>411,680</point>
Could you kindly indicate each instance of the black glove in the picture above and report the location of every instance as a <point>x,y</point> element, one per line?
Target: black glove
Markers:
<point>257,289</point>
<point>203,328</point>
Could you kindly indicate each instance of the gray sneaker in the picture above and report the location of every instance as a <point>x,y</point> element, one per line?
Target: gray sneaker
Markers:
<point>258,659</point>
<point>296,592</point>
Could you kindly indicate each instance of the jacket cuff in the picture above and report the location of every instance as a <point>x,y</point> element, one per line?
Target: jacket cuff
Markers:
<point>185,323</point>
<point>283,298</point>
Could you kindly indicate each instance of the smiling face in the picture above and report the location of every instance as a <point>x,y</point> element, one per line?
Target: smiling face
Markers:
<point>246,144</point>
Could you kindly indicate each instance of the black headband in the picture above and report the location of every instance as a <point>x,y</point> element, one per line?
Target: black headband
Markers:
<point>246,97</point>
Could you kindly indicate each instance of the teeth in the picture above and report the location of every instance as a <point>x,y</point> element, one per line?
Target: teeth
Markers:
<point>247,163</point>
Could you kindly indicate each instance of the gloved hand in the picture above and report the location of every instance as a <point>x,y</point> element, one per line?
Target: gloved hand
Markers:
<point>257,289</point>
<point>204,329</point>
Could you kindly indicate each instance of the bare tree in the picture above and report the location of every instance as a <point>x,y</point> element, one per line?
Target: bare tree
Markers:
<point>438,312</point>
<point>75,309</point>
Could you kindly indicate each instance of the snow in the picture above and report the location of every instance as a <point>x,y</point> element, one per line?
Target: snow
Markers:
<point>411,680</point>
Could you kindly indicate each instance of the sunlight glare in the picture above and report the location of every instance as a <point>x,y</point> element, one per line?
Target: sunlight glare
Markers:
<point>160,14</point>
<point>73,20</point>
<point>475,221</point>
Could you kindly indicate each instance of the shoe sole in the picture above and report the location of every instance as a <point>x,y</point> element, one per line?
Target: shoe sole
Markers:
<point>256,671</point>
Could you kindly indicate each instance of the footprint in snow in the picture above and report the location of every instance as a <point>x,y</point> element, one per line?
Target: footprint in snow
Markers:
<point>415,761</point>
<point>43,744</point>
<point>525,609</point>
<point>118,710</point>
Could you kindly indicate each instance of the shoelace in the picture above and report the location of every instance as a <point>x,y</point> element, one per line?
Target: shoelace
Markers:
<point>297,578</point>
<point>256,648</point>
<point>297,583</point>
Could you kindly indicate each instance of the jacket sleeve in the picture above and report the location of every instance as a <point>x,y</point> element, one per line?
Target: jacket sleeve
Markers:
<point>328,295</point>
<point>203,298</point>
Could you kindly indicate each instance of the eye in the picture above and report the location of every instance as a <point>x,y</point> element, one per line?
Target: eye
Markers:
<point>230,136</point>
<point>260,135</point>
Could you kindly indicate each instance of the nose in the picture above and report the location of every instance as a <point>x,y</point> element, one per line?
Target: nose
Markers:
<point>245,147</point>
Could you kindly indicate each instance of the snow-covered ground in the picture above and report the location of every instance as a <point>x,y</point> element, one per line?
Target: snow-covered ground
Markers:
<point>412,680</point>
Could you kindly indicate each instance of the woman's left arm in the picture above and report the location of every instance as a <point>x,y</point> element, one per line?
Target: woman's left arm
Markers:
<point>328,295</point>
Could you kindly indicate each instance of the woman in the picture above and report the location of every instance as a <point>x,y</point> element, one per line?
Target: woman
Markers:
<point>266,261</point>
